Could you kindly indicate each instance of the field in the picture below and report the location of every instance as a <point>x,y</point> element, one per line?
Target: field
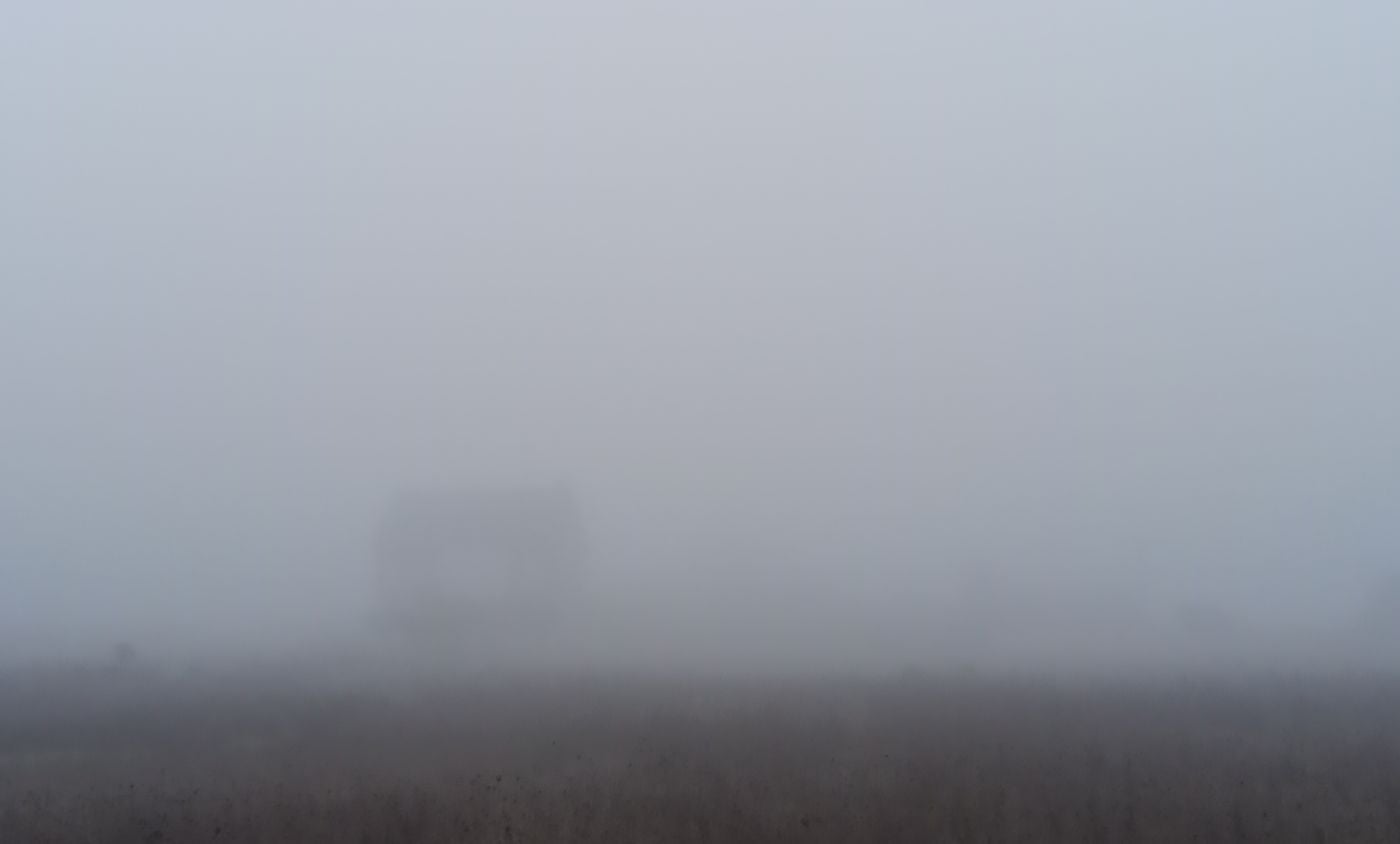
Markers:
<point>117,756</point>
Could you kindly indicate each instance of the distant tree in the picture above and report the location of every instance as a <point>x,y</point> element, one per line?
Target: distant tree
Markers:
<point>1380,610</point>
<point>1205,618</point>
<point>123,655</point>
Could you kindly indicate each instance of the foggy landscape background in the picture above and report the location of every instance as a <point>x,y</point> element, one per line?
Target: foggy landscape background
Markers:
<point>868,336</point>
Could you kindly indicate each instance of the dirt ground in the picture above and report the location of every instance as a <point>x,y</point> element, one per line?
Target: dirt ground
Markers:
<point>115,758</point>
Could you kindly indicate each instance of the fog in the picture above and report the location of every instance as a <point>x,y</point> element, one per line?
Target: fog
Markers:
<point>865,335</point>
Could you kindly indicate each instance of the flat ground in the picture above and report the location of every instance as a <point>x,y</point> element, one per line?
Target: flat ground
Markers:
<point>105,756</point>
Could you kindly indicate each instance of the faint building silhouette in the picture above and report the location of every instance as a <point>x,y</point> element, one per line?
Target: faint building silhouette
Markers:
<point>479,561</point>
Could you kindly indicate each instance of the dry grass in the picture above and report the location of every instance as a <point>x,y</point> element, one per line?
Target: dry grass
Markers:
<point>116,760</point>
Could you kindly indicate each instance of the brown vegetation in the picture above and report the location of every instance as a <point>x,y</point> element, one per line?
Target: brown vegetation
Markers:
<point>121,759</point>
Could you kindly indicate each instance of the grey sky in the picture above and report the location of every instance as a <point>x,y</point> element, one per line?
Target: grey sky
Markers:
<point>1095,291</point>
